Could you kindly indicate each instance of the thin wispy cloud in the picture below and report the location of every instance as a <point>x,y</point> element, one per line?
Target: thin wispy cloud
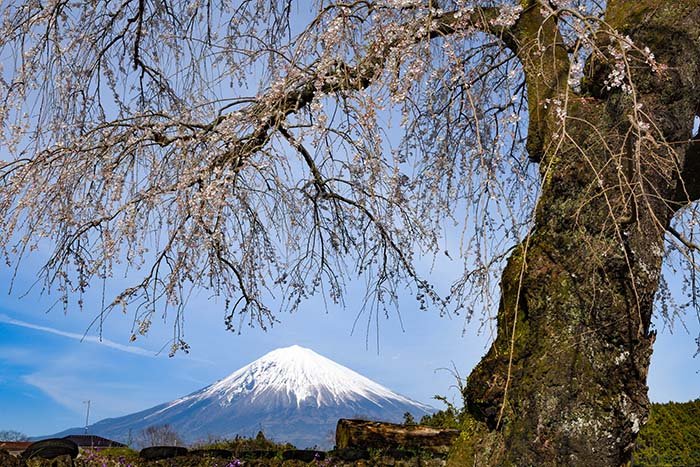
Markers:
<point>107,396</point>
<point>132,349</point>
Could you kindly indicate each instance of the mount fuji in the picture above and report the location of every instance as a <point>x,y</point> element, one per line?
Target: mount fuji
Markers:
<point>292,394</point>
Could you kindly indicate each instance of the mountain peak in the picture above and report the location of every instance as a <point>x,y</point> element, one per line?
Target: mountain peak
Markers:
<point>302,376</point>
<point>292,353</point>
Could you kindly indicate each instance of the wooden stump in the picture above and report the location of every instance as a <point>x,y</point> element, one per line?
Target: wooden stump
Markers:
<point>362,434</point>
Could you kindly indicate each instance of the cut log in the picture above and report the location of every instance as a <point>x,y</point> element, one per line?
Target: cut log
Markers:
<point>154,453</point>
<point>362,434</point>
<point>51,448</point>
<point>304,455</point>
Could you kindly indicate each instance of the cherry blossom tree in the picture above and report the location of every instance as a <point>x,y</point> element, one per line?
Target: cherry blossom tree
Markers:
<point>248,147</point>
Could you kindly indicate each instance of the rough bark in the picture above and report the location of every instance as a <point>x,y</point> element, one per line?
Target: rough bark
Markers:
<point>564,383</point>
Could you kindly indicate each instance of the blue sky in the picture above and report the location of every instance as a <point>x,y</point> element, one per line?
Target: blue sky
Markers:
<point>47,373</point>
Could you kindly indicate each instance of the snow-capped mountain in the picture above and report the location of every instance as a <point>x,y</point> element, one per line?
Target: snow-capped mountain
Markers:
<point>292,394</point>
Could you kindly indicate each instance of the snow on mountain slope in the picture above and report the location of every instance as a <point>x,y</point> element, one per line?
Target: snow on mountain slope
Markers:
<point>302,375</point>
<point>293,394</point>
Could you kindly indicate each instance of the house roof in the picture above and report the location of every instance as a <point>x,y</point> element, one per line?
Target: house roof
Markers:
<point>94,441</point>
<point>14,445</point>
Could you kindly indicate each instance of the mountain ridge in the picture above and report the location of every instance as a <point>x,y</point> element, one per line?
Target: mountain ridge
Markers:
<point>292,394</point>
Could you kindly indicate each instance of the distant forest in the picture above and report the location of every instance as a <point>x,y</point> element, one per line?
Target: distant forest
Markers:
<point>671,437</point>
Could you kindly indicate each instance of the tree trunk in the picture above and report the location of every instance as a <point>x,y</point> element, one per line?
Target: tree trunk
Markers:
<point>564,383</point>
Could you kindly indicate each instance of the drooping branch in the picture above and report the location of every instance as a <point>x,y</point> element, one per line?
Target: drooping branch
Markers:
<point>534,39</point>
<point>218,173</point>
<point>271,108</point>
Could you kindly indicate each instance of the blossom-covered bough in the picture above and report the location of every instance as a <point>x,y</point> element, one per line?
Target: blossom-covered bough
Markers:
<point>252,148</point>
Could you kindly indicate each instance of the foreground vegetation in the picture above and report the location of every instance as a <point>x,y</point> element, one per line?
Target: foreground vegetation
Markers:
<point>237,452</point>
<point>211,453</point>
<point>671,437</point>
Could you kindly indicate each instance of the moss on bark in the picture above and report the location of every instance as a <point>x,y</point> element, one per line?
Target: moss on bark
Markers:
<point>564,383</point>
